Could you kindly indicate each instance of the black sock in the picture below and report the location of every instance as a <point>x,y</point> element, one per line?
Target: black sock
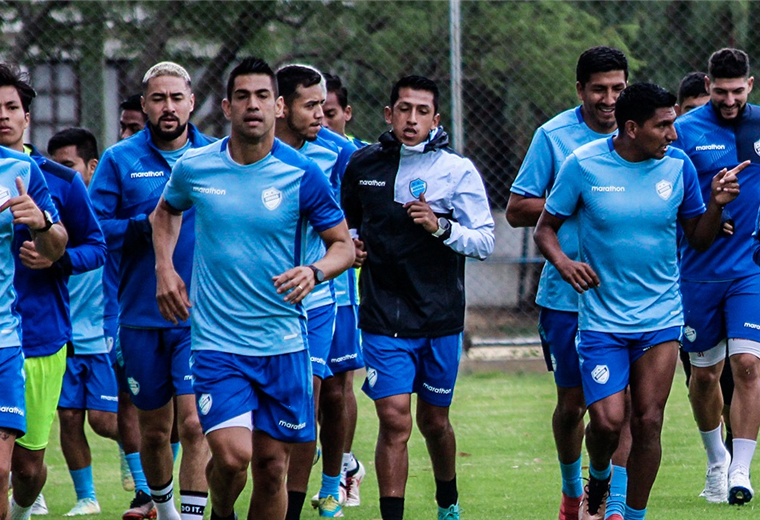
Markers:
<point>446,493</point>
<point>295,505</point>
<point>214,516</point>
<point>392,508</point>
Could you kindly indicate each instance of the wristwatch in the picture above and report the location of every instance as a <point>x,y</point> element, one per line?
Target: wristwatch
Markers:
<point>319,276</point>
<point>444,228</point>
<point>48,222</point>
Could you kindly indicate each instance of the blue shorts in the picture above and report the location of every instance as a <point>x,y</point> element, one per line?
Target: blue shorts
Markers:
<point>606,358</point>
<point>714,311</point>
<point>156,364</point>
<point>558,330</point>
<point>111,331</point>
<point>277,390</point>
<point>427,366</point>
<point>12,397</point>
<point>320,324</point>
<point>89,384</point>
<point>346,351</point>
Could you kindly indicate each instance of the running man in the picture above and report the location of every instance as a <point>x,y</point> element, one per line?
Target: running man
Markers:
<point>601,75</point>
<point>252,195</point>
<point>629,192</point>
<point>721,289</point>
<point>417,210</point>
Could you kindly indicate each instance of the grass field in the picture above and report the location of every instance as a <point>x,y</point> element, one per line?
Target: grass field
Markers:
<point>506,465</point>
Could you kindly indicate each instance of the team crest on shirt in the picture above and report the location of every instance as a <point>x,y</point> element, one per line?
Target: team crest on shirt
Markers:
<point>690,333</point>
<point>271,197</point>
<point>757,147</point>
<point>417,187</point>
<point>371,377</point>
<point>601,374</point>
<point>134,386</point>
<point>5,195</point>
<point>204,403</point>
<point>664,189</point>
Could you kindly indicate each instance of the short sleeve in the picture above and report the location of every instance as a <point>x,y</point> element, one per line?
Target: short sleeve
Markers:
<point>317,201</point>
<point>692,205</point>
<point>565,195</point>
<point>537,170</point>
<point>177,190</point>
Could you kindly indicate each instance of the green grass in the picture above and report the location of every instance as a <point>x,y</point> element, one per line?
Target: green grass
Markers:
<point>506,465</point>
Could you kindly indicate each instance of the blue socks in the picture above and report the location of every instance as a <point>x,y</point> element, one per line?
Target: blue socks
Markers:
<point>572,485</point>
<point>618,489</point>
<point>83,483</point>
<point>600,475</point>
<point>175,450</point>
<point>635,514</point>
<point>135,467</point>
<point>330,486</point>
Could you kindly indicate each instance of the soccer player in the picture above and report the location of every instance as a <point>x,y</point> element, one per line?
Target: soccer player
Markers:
<point>601,75</point>
<point>89,384</point>
<point>125,189</point>
<point>253,194</point>
<point>417,210</point>
<point>629,191</point>
<point>756,235</point>
<point>691,93</point>
<point>346,340</point>
<point>21,184</point>
<point>300,126</point>
<point>131,119</point>
<point>43,298</point>
<point>721,288</point>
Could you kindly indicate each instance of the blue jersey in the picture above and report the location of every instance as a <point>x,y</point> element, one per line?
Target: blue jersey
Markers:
<point>87,313</point>
<point>552,143</point>
<point>325,153</point>
<point>756,236</point>
<point>43,296</point>
<point>345,283</point>
<point>627,219</point>
<point>713,145</point>
<point>125,189</point>
<point>12,165</point>
<point>249,225</point>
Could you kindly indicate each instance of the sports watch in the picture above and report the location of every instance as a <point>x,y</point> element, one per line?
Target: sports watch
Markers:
<point>444,228</point>
<point>48,222</point>
<point>319,276</point>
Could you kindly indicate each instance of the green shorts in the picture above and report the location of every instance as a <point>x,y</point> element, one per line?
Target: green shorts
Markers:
<point>44,378</point>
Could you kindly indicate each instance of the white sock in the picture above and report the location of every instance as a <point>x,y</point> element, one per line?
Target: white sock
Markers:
<point>20,513</point>
<point>193,504</point>
<point>164,500</point>
<point>713,441</point>
<point>744,450</point>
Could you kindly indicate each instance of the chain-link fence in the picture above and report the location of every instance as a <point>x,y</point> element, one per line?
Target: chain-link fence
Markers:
<point>511,67</point>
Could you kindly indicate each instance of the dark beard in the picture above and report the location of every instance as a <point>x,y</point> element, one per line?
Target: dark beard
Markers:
<point>166,136</point>
<point>296,131</point>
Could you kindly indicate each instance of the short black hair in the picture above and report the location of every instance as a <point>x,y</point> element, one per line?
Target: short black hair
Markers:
<point>290,77</point>
<point>251,65</point>
<point>335,85</point>
<point>132,103</point>
<point>415,83</point>
<point>83,139</point>
<point>728,63</point>
<point>640,101</point>
<point>600,59</point>
<point>11,76</point>
<point>692,85</point>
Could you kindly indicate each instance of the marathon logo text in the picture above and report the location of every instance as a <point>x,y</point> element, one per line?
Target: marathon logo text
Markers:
<point>343,358</point>
<point>372,182</point>
<point>436,390</point>
<point>140,175</point>
<point>12,409</point>
<point>608,189</point>
<point>707,147</point>
<point>752,325</point>
<point>291,426</point>
<point>209,191</point>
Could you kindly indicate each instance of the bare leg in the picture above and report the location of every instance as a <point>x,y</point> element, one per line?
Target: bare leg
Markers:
<point>391,453</point>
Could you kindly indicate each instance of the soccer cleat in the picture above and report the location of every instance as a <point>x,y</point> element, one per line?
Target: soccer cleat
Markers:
<point>449,513</point>
<point>127,482</point>
<point>353,481</point>
<point>341,499</point>
<point>569,507</point>
<point>141,507</point>
<point>85,506</point>
<point>594,501</point>
<point>739,487</point>
<point>39,508</point>
<point>716,482</point>
<point>328,507</point>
